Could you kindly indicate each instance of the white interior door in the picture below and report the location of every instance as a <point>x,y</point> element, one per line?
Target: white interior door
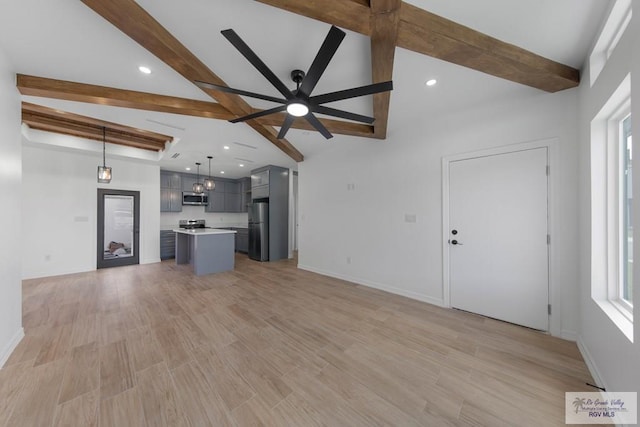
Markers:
<point>498,251</point>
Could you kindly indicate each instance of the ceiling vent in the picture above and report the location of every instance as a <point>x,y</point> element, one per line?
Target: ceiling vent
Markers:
<point>245,145</point>
<point>175,155</point>
<point>166,124</point>
<point>243,160</point>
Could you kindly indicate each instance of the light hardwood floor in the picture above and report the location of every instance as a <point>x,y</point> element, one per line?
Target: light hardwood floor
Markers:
<point>268,344</point>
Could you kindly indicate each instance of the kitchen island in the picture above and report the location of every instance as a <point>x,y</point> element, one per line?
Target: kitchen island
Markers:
<point>208,250</point>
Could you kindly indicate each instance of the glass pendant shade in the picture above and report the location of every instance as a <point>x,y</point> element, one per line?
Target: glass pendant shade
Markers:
<point>198,187</point>
<point>209,183</point>
<point>104,174</point>
<point>104,171</point>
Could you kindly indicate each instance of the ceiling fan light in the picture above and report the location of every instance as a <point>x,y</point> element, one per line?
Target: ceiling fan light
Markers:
<point>297,109</point>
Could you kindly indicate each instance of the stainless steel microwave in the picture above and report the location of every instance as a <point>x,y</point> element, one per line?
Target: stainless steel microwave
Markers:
<point>195,199</point>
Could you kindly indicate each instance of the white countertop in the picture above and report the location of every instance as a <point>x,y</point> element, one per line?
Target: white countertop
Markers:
<point>203,231</point>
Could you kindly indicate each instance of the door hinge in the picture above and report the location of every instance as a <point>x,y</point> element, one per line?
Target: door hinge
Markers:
<point>548,239</point>
<point>548,170</point>
<point>549,309</point>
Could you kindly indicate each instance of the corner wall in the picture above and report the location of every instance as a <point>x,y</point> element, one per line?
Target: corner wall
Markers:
<point>10,215</point>
<point>59,205</point>
<point>612,358</point>
<point>354,197</point>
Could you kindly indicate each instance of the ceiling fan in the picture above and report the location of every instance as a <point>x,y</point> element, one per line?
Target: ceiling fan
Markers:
<point>299,102</point>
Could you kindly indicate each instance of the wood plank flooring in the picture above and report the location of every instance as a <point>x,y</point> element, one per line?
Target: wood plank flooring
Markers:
<point>268,344</point>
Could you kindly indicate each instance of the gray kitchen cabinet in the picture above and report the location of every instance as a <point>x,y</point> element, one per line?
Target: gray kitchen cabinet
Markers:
<point>221,186</point>
<point>259,192</point>
<point>167,244</point>
<point>170,192</point>
<point>188,181</point>
<point>242,240</point>
<point>232,202</point>
<point>259,178</point>
<point>245,194</point>
<point>232,187</point>
<point>216,202</point>
<point>170,180</point>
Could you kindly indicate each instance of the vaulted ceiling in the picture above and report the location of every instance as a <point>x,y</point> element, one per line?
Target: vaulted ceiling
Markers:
<point>80,69</point>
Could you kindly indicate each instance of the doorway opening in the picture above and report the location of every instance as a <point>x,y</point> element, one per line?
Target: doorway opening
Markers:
<point>118,228</point>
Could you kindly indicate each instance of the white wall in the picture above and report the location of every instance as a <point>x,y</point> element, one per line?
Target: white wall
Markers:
<point>10,214</point>
<point>59,207</point>
<point>613,359</point>
<point>360,235</point>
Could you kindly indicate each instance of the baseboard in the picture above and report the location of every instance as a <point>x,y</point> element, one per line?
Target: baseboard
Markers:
<point>588,360</point>
<point>11,345</point>
<point>150,260</point>
<point>380,286</point>
<point>569,335</point>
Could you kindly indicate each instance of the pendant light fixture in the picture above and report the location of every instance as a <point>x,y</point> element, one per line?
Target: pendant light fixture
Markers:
<point>209,183</point>
<point>104,171</point>
<point>198,187</point>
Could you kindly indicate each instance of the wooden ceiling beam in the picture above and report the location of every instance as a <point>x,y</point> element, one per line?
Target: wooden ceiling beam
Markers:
<point>334,126</point>
<point>438,37</point>
<point>135,22</point>
<point>52,120</point>
<point>81,92</point>
<point>385,19</point>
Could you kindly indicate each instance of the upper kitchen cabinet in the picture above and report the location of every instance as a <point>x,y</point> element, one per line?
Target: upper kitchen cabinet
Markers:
<point>245,194</point>
<point>170,192</point>
<point>187,182</point>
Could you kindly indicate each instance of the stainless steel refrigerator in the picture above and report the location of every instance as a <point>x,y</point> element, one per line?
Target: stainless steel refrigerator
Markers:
<point>259,231</point>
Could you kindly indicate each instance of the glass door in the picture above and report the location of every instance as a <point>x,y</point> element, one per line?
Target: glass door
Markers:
<point>118,228</point>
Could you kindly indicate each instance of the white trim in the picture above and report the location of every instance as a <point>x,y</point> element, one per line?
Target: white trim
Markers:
<point>548,143</point>
<point>591,364</point>
<point>397,291</point>
<point>11,346</point>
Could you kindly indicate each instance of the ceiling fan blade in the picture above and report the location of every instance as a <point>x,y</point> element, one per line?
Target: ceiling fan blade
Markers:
<point>322,59</point>
<point>313,120</point>
<point>246,51</point>
<point>352,93</point>
<point>205,85</point>
<point>343,114</point>
<point>259,114</point>
<point>288,121</point>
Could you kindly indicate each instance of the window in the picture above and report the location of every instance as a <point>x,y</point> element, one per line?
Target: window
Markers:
<point>611,209</point>
<point>624,294</point>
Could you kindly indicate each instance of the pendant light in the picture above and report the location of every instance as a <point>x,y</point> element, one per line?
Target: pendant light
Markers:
<point>104,171</point>
<point>198,187</point>
<point>209,183</point>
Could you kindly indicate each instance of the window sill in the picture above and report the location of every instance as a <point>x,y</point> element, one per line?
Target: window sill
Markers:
<point>617,317</point>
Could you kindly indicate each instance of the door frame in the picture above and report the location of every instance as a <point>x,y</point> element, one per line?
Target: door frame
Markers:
<point>555,318</point>
<point>135,259</point>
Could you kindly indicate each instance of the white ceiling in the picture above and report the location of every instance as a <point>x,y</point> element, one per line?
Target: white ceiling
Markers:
<point>64,39</point>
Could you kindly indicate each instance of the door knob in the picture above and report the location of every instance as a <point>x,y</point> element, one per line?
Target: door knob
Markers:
<point>455,242</point>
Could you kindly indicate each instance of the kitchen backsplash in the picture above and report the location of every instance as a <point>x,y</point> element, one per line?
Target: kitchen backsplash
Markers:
<point>169,220</point>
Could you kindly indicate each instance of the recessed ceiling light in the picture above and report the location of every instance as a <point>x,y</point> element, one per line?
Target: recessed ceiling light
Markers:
<point>188,169</point>
<point>241,165</point>
<point>431,82</point>
<point>222,172</point>
<point>226,147</point>
<point>144,70</point>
